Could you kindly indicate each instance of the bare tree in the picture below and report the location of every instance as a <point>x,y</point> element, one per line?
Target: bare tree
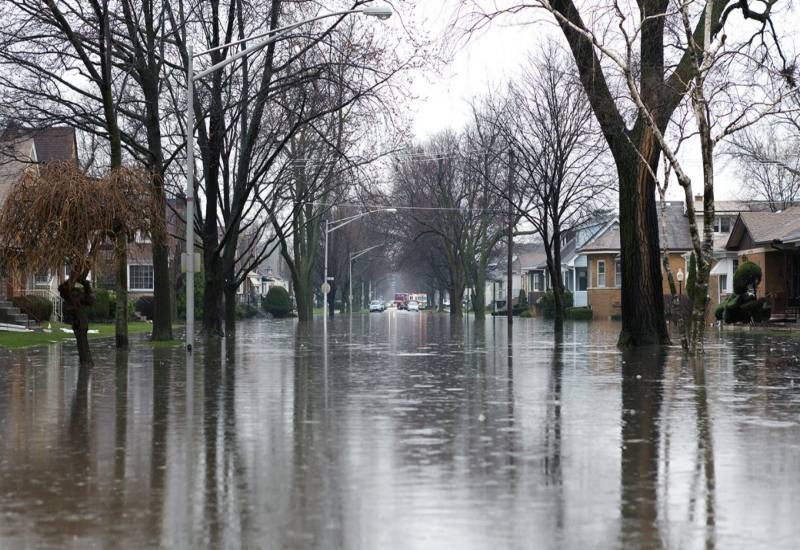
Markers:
<point>662,76</point>
<point>721,104</point>
<point>560,155</point>
<point>766,157</point>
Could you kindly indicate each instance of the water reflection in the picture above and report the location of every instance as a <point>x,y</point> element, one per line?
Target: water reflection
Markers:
<point>409,432</point>
<point>642,393</point>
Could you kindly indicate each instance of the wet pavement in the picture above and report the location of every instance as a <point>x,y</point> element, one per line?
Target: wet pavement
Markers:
<point>409,432</point>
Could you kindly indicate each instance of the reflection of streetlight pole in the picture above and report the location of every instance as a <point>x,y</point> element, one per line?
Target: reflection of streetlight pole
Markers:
<point>353,257</point>
<point>680,281</point>
<point>380,11</point>
<point>338,224</point>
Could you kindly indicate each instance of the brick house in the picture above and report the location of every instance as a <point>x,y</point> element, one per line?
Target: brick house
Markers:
<point>141,276</point>
<point>604,262</point>
<point>24,149</point>
<point>771,240</point>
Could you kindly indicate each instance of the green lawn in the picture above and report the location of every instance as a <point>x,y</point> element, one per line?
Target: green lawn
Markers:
<point>13,340</point>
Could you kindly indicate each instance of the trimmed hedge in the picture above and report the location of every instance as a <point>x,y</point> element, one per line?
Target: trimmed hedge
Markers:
<point>277,302</point>
<point>579,313</point>
<point>747,276</point>
<point>37,308</point>
<point>743,306</point>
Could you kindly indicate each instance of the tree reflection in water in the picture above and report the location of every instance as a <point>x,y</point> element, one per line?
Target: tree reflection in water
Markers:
<point>642,394</point>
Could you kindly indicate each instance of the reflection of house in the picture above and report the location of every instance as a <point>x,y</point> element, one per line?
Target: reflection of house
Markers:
<point>771,239</point>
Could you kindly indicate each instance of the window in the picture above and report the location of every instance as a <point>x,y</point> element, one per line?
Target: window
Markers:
<point>538,281</point>
<point>618,273</point>
<point>722,224</point>
<point>723,283</point>
<point>42,280</point>
<point>601,273</point>
<point>140,277</point>
<point>735,265</point>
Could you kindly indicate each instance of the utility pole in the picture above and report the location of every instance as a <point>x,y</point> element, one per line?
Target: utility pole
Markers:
<point>510,268</point>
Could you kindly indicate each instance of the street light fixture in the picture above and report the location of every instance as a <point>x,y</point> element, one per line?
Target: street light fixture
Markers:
<point>190,259</point>
<point>381,11</point>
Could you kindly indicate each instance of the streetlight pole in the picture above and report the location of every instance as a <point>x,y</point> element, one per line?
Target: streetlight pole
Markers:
<point>379,11</point>
<point>189,258</point>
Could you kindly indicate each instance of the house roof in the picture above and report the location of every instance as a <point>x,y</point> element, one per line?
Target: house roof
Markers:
<point>606,239</point>
<point>532,256</point>
<point>766,227</point>
<point>673,232</point>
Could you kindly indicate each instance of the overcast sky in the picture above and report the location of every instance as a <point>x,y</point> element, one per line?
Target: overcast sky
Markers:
<point>488,61</point>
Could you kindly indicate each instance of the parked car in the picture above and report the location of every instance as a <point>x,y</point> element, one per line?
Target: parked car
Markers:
<point>401,306</point>
<point>376,305</point>
<point>412,306</point>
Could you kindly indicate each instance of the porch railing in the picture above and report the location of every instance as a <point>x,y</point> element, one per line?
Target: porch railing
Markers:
<point>55,299</point>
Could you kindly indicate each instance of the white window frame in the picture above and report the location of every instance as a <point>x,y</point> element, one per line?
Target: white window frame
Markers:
<point>601,283</point>
<point>718,224</point>
<point>538,277</point>
<point>131,288</point>
<point>618,272</point>
<point>42,281</point>
<point>723,278</point>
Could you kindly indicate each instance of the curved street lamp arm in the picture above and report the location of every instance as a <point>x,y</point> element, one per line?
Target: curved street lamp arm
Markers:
<point>360,253</point>
<point>277,31</point>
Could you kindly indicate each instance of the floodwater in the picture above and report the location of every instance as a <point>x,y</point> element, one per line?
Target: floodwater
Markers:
<point>411,432</point>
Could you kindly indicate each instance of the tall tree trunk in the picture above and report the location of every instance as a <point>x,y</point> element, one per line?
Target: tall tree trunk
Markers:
<point>212,293</point>
<point>121,306</point>
<point>479,296</point>
<point>642,295</point>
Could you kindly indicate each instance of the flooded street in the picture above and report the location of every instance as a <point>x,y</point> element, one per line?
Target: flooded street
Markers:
<point>409,433</point>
